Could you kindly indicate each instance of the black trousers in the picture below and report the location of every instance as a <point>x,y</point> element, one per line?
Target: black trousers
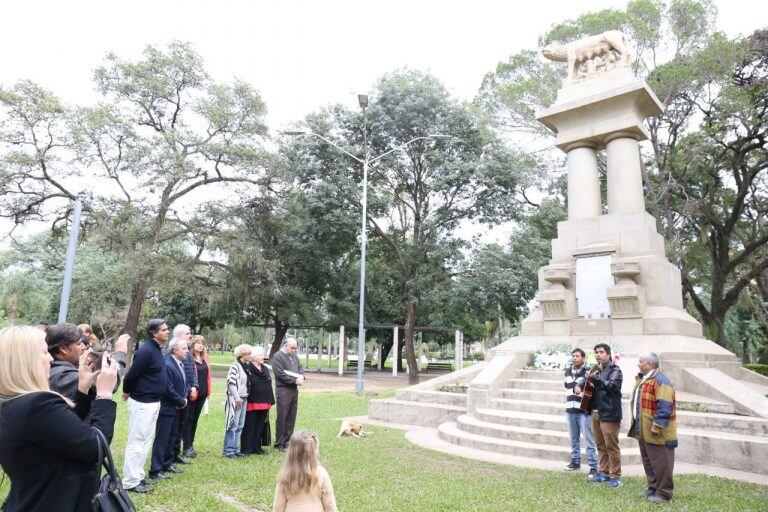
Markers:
<point>190,427</point>
<point>287,402</point>
<point>162,448</point>
<point>250,438</point>
<point>183,420</point>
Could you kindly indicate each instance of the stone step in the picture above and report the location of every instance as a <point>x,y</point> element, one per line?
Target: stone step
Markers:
<point>412,413</point>
<point>475,425</point>
<point>706,447</point>
<point>516,404</point>
<point>536,384</point>
<point>731,423</point>
<point>523,419</point>
<point>532,394</point>
<point>435,397</point>
<point>556,375</point>
<point>451,433</point>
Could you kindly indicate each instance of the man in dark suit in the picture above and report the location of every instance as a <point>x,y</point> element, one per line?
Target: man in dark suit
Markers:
<point>173,401</point>
<point>286,392</point>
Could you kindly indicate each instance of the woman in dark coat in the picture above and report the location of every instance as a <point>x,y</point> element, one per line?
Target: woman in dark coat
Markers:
<point>46,449</point>
<point>260,400</point>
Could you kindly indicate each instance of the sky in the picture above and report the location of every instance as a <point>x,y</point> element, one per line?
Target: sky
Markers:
<point>300,54</point>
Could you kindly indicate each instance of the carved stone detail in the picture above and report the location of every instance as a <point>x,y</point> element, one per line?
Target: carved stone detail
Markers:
<point>626,297</point>
<point>598,54</point>
<point>557,302</point>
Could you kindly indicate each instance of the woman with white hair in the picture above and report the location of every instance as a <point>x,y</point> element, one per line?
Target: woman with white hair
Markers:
<point>47,451</point>
<point>260,400</point>
<point>236,396</point>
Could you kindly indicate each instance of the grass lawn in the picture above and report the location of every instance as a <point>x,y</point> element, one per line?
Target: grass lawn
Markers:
<point>384,472</point>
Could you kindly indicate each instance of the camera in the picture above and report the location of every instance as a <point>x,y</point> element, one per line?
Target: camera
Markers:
<point>95,359</point>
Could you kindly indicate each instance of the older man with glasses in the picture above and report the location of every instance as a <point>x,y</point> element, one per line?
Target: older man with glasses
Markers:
<point>289,374</point>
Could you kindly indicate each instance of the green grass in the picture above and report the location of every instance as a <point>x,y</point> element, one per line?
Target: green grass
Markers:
<point>384,472</point>
<point>222,360</point>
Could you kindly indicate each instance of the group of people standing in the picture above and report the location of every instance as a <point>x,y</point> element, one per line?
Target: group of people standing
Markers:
<point>653,420</point>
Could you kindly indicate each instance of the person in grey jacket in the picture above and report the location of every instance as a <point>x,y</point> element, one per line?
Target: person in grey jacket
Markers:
<point>286,392</point>
<point>66,343</point>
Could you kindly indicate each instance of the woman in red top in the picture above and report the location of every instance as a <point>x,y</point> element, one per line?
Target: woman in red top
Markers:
<point>204,378</point>
<point>260,400</point>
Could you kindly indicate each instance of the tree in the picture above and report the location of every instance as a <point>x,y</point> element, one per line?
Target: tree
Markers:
<point>166,138</point>
<point>418,196</point>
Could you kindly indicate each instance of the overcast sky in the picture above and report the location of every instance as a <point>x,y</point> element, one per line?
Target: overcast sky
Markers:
<point>300,54</point>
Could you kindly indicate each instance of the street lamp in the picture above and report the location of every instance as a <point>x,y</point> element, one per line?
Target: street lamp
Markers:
<point>366,161</point>
<point>70,264</point>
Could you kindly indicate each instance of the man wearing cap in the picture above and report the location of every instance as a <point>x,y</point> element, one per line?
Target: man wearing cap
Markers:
<point>143,386</point>
<point>66,343</point>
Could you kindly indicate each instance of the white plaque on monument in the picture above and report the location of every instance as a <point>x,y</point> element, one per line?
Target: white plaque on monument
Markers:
<point>593,277</point>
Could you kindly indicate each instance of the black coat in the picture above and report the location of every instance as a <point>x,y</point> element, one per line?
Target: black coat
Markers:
<point>259,385</point>
<point>607,395</point>
<point>49,454</point>
<point>174,394</point>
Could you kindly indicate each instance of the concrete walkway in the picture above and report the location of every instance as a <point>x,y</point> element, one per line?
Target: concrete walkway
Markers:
<point>428,438</point>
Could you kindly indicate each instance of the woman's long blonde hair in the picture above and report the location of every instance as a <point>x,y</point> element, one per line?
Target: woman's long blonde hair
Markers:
<point>299,471</point>
<point>20,368</point>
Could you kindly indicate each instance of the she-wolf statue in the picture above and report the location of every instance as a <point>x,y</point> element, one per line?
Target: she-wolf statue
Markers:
<point>585,50</point>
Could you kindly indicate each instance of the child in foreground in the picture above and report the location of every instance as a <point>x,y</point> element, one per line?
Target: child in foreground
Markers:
<point>303,485</point>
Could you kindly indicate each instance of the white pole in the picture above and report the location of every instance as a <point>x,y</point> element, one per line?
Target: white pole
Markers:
<point>381,363</point>
<point>330,349</point>
<point>395,350</point>
<point>306,345</point>
<point>320,341</point>
<point>342,349</point>
<point>457,350</point>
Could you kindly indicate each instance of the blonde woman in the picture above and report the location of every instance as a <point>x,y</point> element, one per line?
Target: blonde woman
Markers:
<point>303,485</point>
<point>47,451</point>
<point>237,394</point>
<point>205,378</point>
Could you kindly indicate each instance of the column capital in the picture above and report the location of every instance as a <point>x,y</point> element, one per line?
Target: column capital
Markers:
<point>580,144</point>
<point>623,134</point>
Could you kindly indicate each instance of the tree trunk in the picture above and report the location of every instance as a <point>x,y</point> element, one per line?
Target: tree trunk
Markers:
<point>714,327</point>
<point>138,293</point>
<point>410,353</point>
<point>280,330</point>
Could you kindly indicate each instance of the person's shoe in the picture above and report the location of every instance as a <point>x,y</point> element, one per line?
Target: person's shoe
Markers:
<point>646,492</point>
<point>280,448</point>
<point>260,452</point>
<point>190,453</point>
<point>230,456</point>
<point>573,466</point>
<point>655,498</point>
<point>173,469</point>
<point>597,477</point>
<point>180,460</point>
<point>614,483</point>
<point>141,489</point>
<point>159,476</point>
<point>241,454</point>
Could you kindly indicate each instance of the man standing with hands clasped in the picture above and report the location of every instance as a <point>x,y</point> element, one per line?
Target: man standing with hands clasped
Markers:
<point>284,363</point>
<point>606,419</point>
<point>653,425</point>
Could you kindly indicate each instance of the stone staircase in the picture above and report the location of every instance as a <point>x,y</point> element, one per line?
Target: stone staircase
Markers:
<point>526,419</point>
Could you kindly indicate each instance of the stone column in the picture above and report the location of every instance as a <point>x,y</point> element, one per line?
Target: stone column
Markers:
<point>583,182</point>
<point>342,349</point>
<point>625,181</point>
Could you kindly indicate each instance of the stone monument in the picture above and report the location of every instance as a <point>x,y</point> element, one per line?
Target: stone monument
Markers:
<point>608,280</point>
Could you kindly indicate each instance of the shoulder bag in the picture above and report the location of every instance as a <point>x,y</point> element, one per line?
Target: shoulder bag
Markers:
<point>110,495</point>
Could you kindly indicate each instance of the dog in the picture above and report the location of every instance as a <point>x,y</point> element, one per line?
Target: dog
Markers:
<point>352,428</point>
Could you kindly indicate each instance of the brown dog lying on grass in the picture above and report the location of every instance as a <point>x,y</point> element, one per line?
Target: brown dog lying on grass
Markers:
<point>352,428</point>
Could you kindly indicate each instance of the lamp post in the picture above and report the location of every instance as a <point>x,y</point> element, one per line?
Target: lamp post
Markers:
<point>366,162</point>
<point>70,265</point>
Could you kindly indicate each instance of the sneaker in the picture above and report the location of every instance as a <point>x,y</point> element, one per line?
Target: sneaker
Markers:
<point>190,453</point>
<point>655,498</point>
<point>573,466</point>
<point>614,483</point>
<point>180,460</point>
<point>597,477</point>
<point>647,492</point>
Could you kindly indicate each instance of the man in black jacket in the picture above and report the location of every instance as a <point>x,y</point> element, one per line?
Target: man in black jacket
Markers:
<point>66,343</point>
<point>143,386</point>
<point>286,392</point>
<point>184,333</point>
<point>606,418</point>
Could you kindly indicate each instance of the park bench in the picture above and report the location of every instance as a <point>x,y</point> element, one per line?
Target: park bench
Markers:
<point>440,367</point>
<point>353,364</point>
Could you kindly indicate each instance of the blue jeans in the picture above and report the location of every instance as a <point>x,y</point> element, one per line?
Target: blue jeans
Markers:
<point>232,437</point>
<point>580,423</point>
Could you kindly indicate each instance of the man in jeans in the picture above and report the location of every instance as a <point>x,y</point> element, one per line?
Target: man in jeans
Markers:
<point>579,421</point>
<point>143,386</point>
<point>606,419</point>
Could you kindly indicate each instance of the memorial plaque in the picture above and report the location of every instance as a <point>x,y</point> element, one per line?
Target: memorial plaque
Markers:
<point>593,277</point>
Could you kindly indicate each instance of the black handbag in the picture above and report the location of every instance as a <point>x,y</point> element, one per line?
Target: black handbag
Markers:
<point>266,433</point>
<point>110,495</point>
